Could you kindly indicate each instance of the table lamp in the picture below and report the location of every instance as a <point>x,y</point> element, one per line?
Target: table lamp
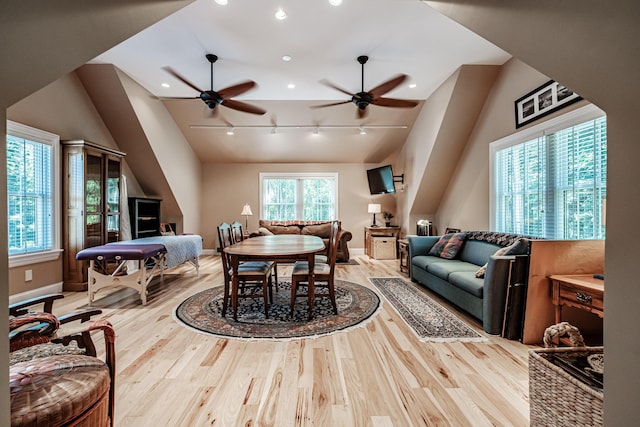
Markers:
<point>374,208</point>
<point>246,211</point>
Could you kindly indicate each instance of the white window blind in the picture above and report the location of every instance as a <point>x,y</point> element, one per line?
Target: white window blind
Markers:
<point>32,185</point>
<point>309,197</point>
<point>552,185</point>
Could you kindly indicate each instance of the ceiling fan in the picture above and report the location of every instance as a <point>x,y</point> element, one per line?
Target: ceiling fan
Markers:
<point>221,97</point>
<point>362,99</point>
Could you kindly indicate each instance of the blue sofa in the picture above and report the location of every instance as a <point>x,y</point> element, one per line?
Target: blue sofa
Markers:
<point>455,279</point>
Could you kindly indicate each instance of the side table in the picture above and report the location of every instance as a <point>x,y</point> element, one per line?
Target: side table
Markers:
<point>403,250</point>
<point>581,291</point>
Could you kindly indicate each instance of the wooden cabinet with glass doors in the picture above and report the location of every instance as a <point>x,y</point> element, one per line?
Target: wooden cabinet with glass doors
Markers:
<point>91,210</point>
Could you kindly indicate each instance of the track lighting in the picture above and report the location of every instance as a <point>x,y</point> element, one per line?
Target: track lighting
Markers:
<point>315,128</point>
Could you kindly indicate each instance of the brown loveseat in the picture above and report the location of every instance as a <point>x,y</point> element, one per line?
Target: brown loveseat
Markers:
<point>321,229</point>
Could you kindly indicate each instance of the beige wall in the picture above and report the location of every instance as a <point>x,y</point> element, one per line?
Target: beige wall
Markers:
<point>41,41</point>
<point>177,160</point>
<point>63,108</point>
<point>227,187</point>
<point>465,204</point>
<point>593,48</point>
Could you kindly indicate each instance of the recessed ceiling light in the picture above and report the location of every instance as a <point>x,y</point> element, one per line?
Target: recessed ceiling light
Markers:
<point>222,2</point>
<point>335,2</point>
<point>316,130</point>
<point>362,131</point>
<point>165,85</point>
<point>291,86</point>
<point>412,85</point>
<point>230,130</point>
<point>286,58</point>
<point>281,14</point>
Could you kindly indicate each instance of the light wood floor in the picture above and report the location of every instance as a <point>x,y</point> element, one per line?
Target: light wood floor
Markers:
<point>378,375</point>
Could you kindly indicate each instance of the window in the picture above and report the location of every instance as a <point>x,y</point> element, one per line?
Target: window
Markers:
<point>309,197</point>
<point>32,195</point>
<point>551,181</point>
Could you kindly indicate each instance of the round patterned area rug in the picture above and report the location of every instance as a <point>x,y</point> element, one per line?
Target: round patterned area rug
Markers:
<point>203,312</point>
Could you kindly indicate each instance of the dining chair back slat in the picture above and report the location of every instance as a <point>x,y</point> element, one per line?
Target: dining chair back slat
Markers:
<point>322,272</point>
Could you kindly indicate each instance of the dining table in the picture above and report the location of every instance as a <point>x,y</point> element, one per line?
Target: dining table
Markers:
<point>280,248</point>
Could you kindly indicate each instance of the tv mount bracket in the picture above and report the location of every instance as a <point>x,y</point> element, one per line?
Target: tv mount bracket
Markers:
<point>399,178</point>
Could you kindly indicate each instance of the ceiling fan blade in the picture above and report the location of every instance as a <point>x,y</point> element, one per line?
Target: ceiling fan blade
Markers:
<point>391,102</point>
<point>243,106</point>
<point>177,97</point>
<point>387,86</point>
<point>338,88</point>
<point>236,90</point>
<point>175,74</point>
<point>330,105</point>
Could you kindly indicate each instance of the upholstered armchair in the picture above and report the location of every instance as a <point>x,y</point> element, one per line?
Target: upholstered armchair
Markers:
<point>55,375</point>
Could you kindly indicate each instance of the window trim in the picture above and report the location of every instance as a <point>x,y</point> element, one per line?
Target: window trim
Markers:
<point>572,118</point>
<point>37,135</point>
<point>271,175</point>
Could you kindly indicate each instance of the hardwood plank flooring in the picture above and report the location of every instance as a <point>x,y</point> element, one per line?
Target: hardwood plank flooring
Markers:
<point>378,375</point>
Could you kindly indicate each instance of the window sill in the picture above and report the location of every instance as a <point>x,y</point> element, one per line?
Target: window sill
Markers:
<point>20,260</point>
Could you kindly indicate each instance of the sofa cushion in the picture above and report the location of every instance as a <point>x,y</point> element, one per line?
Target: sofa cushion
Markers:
<point>467,281</point>
<point>519,247</point>
<point>478,252</point>
<point>422,261</point>
<point>283,229</point>
<point>482,270</point>
<point>443,268</point>
<point>447,246</point>
<point>320,230</point>
<point>264,231</point>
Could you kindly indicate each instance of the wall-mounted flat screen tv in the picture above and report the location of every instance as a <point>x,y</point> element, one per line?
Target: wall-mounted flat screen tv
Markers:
<point>381,180</point>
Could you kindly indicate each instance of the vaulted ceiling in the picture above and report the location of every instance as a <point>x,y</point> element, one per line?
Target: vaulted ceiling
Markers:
<point>323,41</point>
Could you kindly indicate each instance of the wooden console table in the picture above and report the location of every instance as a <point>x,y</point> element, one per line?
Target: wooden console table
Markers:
<point>371,232</point>
<point>581,291</point>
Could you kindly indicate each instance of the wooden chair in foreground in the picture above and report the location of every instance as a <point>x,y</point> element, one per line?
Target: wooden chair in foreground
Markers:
<point>55,377</point>
<point>249,273</point>
<point>323,272</point>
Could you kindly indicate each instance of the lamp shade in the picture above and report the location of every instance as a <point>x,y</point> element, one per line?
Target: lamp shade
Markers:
<point>246,210</point>
<point>374,208</point>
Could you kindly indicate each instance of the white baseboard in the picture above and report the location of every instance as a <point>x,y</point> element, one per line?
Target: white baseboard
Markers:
<point>210,252</point>
<point>44,290</point>
<point>356,251</point>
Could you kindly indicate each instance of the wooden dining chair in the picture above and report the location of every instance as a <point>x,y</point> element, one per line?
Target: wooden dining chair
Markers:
<point>237,234</point>
<point>323,272</point>
<point>254,277</point>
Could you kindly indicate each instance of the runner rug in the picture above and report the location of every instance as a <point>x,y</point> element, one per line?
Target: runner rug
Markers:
<point>203,312</point>
<point>428,319</point>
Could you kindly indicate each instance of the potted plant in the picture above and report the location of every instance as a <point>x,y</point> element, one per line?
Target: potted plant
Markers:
<point>387,218</point>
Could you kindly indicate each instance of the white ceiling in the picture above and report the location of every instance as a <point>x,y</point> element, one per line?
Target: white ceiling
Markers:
<point>399,36</point>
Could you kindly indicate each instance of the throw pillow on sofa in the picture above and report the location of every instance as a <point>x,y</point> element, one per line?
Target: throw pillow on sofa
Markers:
<point>516,248</point>
<point>448,246</point>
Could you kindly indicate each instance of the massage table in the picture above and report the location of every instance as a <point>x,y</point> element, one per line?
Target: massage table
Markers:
<point>152,254</point>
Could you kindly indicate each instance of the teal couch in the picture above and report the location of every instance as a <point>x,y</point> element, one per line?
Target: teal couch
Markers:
<point>455,279</point>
